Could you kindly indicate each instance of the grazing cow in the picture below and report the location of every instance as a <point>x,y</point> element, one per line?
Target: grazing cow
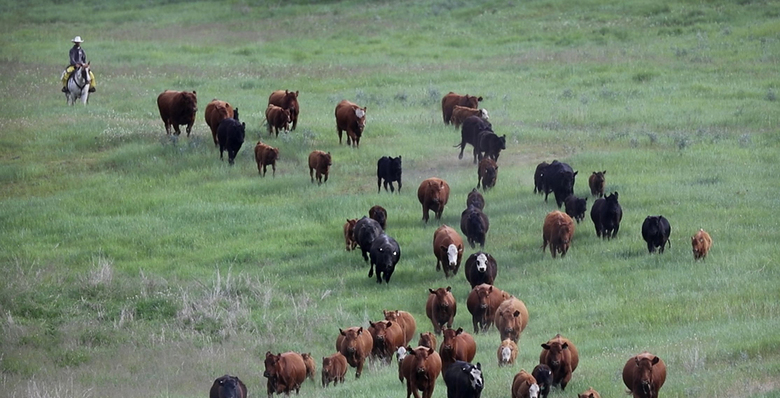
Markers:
<point>352,119</point>
<point>460,113</point>
<point>355,344</point>
<point>405,320</point>
<point>277,118</point>
<point>539,178</point>
<point>365,232</point>
<point>487,173</point>
<point>511,318</point>
<point>433,194</point>
<point>384,254</point>
<point>349,234</point>
<point>457,346</point>
<point>506,353</point>
<point>656,231</point>
<point>482,303</point>
<point>428,339</point>
<point>469,134</point>
<point>266,155</point>
<point>576,207</point>
<point>544,377</point>
<point>475,198</point>
<point>524,385</point>
<point>421,367</point>
<point>230,134</point>
<point>177,108</point>
<point>644,374</point>
<point>311,367</point>
<point>388,169</point>
<point>448,249</point>
<point>489,145</point>
<point>334,368</point>
<point>701,243</point>
<point>215,112</point>
<point>450,100</point>
<point>464,380</point>
<point>379,214</point>
<point>228,387</point>
<point>558,178</point>
<point>388,336</point>
<point>596,183</point>
<point>560,354</point>
<point>557,231</point>
<point>606,214</point>
<point>288,100</point>
<point>475,225</point>
<point>481,268</point>
<point>589,393</point>
<point>320,161</point>
<point>441,308</point>
<point>285,372</point>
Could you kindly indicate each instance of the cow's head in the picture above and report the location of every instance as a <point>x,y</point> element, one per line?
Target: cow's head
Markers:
<point>482,262</point>
<point>470,101</point>
<point>395,167</point>
<point>291,101</point>
<point>351,337</point>
<point>401,353</point>
<point>427,339</point>
<point>511,323</point>
<point>229,387</point>
<point>475,376</point>
<point>502,144</point>
<point>598,178</point>
<point>506,351</point>
<point>287,116</point>
<point>483,296</point>
<point>270,365</point>
<point>556,349</point>
<point>188,102</point>
<point>453,253</point>
<point>533,390</point>
<point>420,355</point>
<point>379,330</point>
<point>360,114</point>
<point>483,113</point>
<point>443,296</point>
<point>448,345</point>
<point>590,393</point>
<point>644,371</point>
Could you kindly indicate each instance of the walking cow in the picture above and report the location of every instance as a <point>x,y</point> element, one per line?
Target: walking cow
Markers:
<point>433,194</point>
<point>177,108</point>
<point>321,162</point>
<point>644,374</point>
<point>352,119</point>
<point>450,100</point>
<point>288,101</point>
<point>656,231</point>
<point>388,169</point>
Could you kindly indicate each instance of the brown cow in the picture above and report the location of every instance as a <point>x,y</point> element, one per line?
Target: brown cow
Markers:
<point>457,346</point>
<point>421,367</point>
<point>311,367</point>
<point>701,243</point>
<point>451,99</point>
<point>507,352</point>
<point>334,368</point>
<point>215,112</point>
<point>266,155</point>
<point>355,344</point>
<point>285,372</point>
<point>483,302</point>
<point>349,234</point>
<point>596,183</point>
<point>557,231</point>
<point>177,108</point>
<point>428,339</point>
<point>589,393</point>
<point>511,318</point>
<point>433,194</point>
<point>379,214</point>
<point>524,385</point>
<point>320,161</point>
<point>277,118</point>
<point>487,173</point>
<point>228,387</point>
<point>287,100</point>
<point>352,119</point>
<point>644,374</point>
<point>562,357</point>
<point>460,113</point>
<point>448,249</point>
<point>405,320</point>
<point>441,308</point>
<point>388,336</point>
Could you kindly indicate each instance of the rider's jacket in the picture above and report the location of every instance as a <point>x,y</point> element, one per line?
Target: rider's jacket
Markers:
<point>77,56</point>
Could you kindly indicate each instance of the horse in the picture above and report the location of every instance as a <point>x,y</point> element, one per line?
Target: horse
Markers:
<point>78,85</point>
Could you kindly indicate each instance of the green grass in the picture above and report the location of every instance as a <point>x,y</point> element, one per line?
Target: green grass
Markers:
<point>137,264</point>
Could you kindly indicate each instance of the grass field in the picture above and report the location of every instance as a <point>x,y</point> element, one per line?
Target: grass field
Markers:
<point>139,264</point>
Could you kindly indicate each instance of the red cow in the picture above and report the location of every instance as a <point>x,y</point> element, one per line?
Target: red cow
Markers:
<point>487,173</point>
<point>483,302</point>
<point>334,368</point>
<point>511,318</point>
<point>285,372</point>
<point>457,346</point>
<point>277,118</point>
<point>428,339</point>
<point>557,231</point>
<point>287,100</point>
<point>451,99</point>
<point>448,249</point>
<point>228,387</point>
<point>506,353</point>
<point>405,320</point>
<point>352,119</point>
<point>215,112</point>
<point>266,155</point>
<point>433,194</point>
<point>177,108</point>
<point>320,161</point>
<point>355,344</point>
<point>524,385</point>
<point>441,308</point>
<point>701,243</point>
<point>562,357</point>
<point>349,234</point>
<point>596,183</point>
<point>311,367</point>
<point>388,336</point>
<point>421,367</point>
<point>460,113</point>
<point>644,374</point>
<point>589,393</point>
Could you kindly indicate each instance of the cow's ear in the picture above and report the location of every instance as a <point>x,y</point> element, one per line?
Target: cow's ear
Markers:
<point>516,314</point>
<point>432,292</point>
<point>575,173</point>
<point>565,346</point>
<point>545,346</point>
<point>431,350</point>
<point>372,324</point>
<point>389,323</point>
<point>449,288</point>
<point>459,331</point>
<point>342,332</point>
<point>604,172</point>
<point>655,360</point>
<point>490,289</point>
<point>409,348</point>
<point>479,366</point>
<point>360,331</point>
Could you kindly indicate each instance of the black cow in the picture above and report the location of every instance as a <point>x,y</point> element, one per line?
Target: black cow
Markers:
<point>230,134</point>
<point>389,170</point>
<point>228,387</point>
<point>379,214</point>
<point>481,268</point>
<point>469,133</point>
<point>366,230</point>
<point>475,225</point>
<point>464,380</point>
<point>576,207</point>
<point>475,198</point>
<point>385,254</point>
<point>606,214</point>
<point>489,145</point>
<point>539,178</point>
<point>656,231</point>
<point>544,378</point>
<point>558,178</point>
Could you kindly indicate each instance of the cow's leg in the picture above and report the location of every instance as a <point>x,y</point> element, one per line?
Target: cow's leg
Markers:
<point>462,147</point>
<point>371,270</point>
<point>339,135</point>
<point>379,184</point>
<point>359,368</point>
<point>273,169</point>
<point>326,176</point>
<point>311,174</point>
<point>189,128</point>
<point>650,247</point>
<point>399,185</point>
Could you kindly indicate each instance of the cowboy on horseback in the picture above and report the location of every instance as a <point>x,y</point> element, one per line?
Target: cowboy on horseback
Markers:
<point>77,57</point>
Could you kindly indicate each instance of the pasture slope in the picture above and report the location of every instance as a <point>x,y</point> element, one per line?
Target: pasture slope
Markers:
<point>136,264</point>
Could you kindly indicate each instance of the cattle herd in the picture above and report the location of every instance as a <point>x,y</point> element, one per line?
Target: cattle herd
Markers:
<point>421,365</point>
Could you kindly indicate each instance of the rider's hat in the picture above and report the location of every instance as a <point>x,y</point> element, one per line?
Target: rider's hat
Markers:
<point>77,39</point>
